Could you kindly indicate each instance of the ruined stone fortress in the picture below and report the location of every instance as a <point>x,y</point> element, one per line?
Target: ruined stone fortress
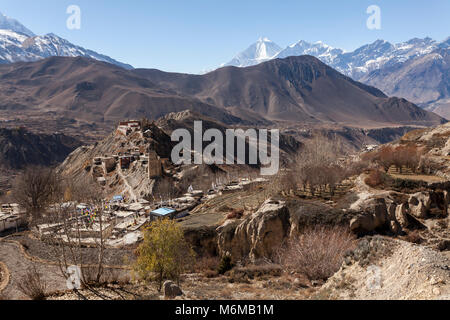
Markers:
<point>146,158</point>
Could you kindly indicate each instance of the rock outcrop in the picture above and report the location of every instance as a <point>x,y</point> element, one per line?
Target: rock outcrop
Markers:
<point>395,212</point>
<point>257,235</point>
<point>374,216</point>
<point>20,148</point>
<point>419,204</point>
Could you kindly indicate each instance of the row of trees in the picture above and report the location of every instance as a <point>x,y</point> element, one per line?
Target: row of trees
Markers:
<point>387,156</point>
<point>316,166</point>
<point>323,162</point>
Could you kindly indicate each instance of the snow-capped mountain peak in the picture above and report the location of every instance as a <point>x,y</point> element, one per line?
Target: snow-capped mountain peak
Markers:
<point>51,45</point>
<point>262,50</point>
<point>265,49</point>
<point>7,23</point>
<point>318,49</point>
<point>445,44</point>
<point>18,44</point>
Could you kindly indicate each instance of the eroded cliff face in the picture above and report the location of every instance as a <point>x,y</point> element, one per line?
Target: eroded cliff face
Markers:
<point>258,235</point>
<point>20,148</point>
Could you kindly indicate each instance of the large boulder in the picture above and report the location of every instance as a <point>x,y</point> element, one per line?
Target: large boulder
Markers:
<point>374,216</point>
<point>171,290</point>
<point>419,204</point>
<point>257,235</point>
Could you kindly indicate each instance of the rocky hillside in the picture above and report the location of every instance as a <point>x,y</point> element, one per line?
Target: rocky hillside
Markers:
<point>411,203</point>
<point>155,136</point>
<point>20,148</point>
<point>80,166</point>
<point>436,145</point>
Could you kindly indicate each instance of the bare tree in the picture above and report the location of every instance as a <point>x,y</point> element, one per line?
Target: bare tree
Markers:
<point>35,189</point>
<point>33,285</point>
<point>386,156</point>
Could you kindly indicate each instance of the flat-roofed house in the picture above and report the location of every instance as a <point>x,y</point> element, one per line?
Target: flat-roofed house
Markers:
<point>162,213</point>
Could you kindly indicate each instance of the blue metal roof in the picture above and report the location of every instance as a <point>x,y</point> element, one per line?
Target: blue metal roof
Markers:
<point>163,211</point>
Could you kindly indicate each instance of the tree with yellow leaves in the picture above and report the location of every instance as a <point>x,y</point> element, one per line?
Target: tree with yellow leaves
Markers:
<point>164,253</point>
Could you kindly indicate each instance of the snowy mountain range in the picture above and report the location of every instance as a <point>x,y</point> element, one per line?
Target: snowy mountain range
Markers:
<point>19,44</point>
<point>417,70</point>
<point>354,64</point>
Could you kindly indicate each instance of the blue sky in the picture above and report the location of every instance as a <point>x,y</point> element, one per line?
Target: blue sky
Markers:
<point>194,35</point>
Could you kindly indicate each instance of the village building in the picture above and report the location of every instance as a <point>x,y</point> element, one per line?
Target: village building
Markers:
<point>8,221</point>
<point>162,213</point>
<point>11,217</point>
<point>400,170</point>
<point>109,164</point>
<point>101,181</point>
<point>97,161</point>
<point>125,162</point>
<point>154,165</point>
<point>128,127</point>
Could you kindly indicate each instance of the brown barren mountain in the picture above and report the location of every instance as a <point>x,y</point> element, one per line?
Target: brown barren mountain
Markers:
<point>82,88</point>
<point>292,89</point>
<point>298,89</point>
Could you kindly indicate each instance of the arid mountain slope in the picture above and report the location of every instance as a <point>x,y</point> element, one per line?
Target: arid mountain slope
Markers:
<point>292,89</point>
<point>82,88</point>
<point>296,88</point>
